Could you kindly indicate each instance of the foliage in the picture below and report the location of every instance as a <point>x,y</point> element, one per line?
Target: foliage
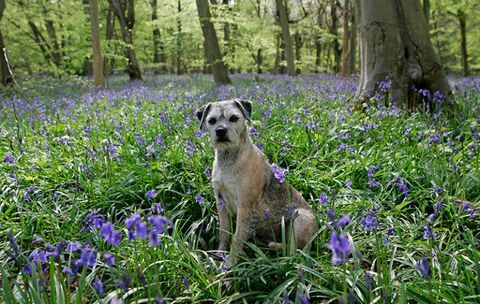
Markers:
<point>396,195</point>
<point>253,25</point>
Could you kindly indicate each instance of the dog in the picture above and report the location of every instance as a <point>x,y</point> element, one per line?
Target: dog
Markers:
<point>246,188</point>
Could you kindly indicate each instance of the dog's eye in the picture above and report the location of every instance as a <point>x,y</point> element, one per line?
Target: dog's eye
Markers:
<point>233,118</point>
<point>212,121</point>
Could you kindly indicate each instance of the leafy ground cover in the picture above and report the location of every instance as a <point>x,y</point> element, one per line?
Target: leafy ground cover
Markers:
<point>105,197</point>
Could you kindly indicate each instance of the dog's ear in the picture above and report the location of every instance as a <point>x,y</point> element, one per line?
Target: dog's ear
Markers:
<point>203,112</point>
<point>246,107</point>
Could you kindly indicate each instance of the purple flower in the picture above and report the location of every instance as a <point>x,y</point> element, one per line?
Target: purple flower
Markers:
<point>73,246</point>
<point>465,206</point>
<point>186,281</point>
<point>110,234</point>
<point>157,208</point>
<point>123,282</point>
<point>116,301</point>
<point>267,212</point>
<point>279,173</point>
<point>27,269</point>
<point>87,257</point>
<point>98,286</point>
<point>368,282</point>
<point>159,222</point>
<point>159,300</point>
<point>199,199</point>
<point>344,220</point>
<point>286,298</point>
<point>331,214</point>
<point>9,159</point>
<point>348,183</point>
<point>109,259</point>
<point>340,247</point>
<point>150,194</point>
<point>369,221</point>
<point>323,200</point>
<point>93,220</point>
<point>428,233</point>
<point>136,228</point>
<point>424,267</point>
<point>303,299</point>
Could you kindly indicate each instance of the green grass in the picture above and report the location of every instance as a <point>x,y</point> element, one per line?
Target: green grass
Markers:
<point>75,152</point>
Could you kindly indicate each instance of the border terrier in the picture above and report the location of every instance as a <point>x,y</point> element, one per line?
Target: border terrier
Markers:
<point>246,188</point>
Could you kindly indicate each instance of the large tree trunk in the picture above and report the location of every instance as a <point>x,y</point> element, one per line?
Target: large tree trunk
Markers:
<point>287,39</point>
<point>109,62</point>
<point>57,55</point>
<point>337,52</point>
<point>426,10</point>
<point>212,49</point>
<point>179,40</point>
<point>353,43</point>
<point>124,10</point>
<point>298,50</point>
<point>98,78</point>
<point>395,45</point>
<point>462,19</point>
<point>6,74</point>
<point>159,58</point>
<point>346,40</point>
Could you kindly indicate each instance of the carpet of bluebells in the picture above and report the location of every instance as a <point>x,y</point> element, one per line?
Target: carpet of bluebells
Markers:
<point>106,198</point>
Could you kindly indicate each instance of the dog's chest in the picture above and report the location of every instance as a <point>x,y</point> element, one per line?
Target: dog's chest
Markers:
<point>226,184</point>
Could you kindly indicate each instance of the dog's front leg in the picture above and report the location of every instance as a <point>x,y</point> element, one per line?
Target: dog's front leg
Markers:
<point>225,224</point>
<point>243,231</point>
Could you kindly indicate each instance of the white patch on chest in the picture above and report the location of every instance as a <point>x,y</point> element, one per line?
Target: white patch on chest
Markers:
<point>226,184</point>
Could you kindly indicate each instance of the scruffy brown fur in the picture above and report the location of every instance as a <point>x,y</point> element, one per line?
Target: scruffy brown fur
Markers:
<point>245,187</point>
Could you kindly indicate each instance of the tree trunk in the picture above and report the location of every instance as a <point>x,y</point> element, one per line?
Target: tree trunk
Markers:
<point>124,10</point>
<point>109,62</point>
<point>298,49</point>
<point>179,40</point>
<point>259,61</point>
<point>353,42</point>
<point>159,58</point>
<point>98,78</point>
<point>426,10</point>
<point>395,45</point>
<point>212,49</point>
<point>287,39</point>
<point>276,64</point>
<point>346,40</point>
<point>52,35</point>
<point>318,54</point>
<point>6,74</point>
<point>337,52</point>
<point>462,19</point>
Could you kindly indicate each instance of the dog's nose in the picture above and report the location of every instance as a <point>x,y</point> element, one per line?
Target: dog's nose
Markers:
<point>221,132</point>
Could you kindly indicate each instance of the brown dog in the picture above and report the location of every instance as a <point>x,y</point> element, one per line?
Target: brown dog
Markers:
<point>246,188</point>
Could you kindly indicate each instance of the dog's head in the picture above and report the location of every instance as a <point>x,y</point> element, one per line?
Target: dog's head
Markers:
<point>225,121</point>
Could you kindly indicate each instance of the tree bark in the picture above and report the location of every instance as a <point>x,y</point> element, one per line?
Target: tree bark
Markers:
<point>337,52</point>
<point>426,10</point>
<point>109,62</point>
<point>298,50</point>
<point>353,42</point>
<point>124,10</point>
<point>179,40</point>
<point>56,52</point>
<point>212,49</point>
<point>346,40</point>
<point>159,58</point>
<point>98,79</point>
<point>287,39</point>
<point>462,19</point>
<point>6,75</point>
<point>395,44</point>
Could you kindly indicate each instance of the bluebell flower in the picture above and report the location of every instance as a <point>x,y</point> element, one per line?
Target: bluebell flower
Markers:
<point>109,259</point>
<point>160,300</point>
<point>110,234</point>
<point>186,281</point>
<point>340,247</point>
<point>279,173</point>
<point>344,220</point>
<point>331,214</point>
<point>267,212</point>
<point>368,282</point>
<point>93,220</point>
<point>424,267</point>
<point>199,199</point>
<point>157,208</point>
<point>9,159</point>
<point>369,221</point>
<point>323,200</point>
<point>123,282</point>
<point>116,301</point>
<point>136,227</point>
<point>73,246</point>
<point>88,257</point>
<point>303,299</point>
<point>428,233</point>
<point>98,286</point>
<point>150,194</point>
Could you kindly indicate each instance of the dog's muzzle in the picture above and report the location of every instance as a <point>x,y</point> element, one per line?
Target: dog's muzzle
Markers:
<point>221,134</point>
